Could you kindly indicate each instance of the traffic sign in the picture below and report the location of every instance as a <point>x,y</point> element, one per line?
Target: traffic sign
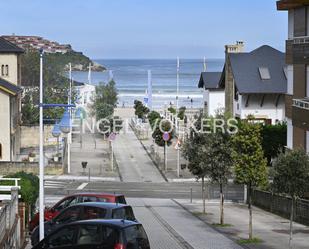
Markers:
<point>166,136</point>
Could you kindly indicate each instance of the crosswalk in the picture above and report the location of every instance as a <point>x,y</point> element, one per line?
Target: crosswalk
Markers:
<point>52,184</point>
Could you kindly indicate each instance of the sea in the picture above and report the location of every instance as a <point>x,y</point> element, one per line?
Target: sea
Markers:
<point>131,77</point>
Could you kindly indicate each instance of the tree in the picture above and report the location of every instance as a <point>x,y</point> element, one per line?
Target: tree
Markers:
<point>220,153</point>
<point>105,100</point>
<point>172,110</point>
<point>153,118</point>
<point>181,113</point>
<point>140,110</point>
<point>291,177</point>
<point>274,140</point>
<point>249,163</point>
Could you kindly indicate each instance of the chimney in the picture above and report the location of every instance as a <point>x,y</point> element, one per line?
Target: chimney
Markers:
<point>236,48</point>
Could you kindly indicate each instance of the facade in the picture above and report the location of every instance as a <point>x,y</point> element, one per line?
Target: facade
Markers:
<point>10,101</point>
<point>297,59</point>
<point>254,83</point>
<point>213,94</point>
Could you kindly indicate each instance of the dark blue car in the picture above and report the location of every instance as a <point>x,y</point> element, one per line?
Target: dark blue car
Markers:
<point>85,211</point>
<point>97,234</point>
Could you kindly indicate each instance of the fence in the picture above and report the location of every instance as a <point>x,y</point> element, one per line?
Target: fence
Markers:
<point>281,205</point>
<point>9,223</point>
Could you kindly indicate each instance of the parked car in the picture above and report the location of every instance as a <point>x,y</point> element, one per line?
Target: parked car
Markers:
<point>74,199</point>
<point>97,234</point>
<point>85,211</point>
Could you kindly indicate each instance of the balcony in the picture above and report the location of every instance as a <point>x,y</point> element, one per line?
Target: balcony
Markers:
<point>300,113</point>
<point>297,50</point>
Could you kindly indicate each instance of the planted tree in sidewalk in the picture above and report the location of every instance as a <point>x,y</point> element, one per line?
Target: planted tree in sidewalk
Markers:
<point>220,153</point>
<point>291,177</point>
<point>154,118</point>
<point>140,109</point>
<point>160,128</point>
<point>249,162</point>
<point>105,100</point>
<point>196,150</point>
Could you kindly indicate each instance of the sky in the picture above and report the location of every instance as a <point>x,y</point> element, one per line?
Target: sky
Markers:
<point>106,29</point>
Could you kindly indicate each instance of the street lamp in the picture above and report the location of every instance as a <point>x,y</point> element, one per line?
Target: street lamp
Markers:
<point>56,133</point>
<point>65,123</point>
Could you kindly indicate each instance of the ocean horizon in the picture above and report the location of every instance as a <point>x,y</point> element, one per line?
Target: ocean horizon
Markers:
<point>131,77</point>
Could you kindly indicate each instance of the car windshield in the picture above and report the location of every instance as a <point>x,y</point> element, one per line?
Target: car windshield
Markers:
<point>136,237</point>
<point>125,213</point>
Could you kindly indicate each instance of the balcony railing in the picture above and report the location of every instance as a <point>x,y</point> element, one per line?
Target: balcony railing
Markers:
<point>301,40</point>
<point>301,103</point>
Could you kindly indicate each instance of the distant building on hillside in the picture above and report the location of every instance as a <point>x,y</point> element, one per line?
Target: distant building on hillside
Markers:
<point>37,42</point>
<point>10,100</point>
<point>297,59</point>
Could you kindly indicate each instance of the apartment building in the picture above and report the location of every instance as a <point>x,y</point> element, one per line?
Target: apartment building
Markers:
<point>297,59</point>
<point>10,100</point>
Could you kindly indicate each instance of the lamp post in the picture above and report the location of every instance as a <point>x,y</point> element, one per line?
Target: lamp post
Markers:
<point>56,133</point>
<point>41,163</point>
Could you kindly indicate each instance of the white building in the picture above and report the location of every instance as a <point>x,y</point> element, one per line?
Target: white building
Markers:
<point>213,94</point>
<point>10,106</point>
<point>255,84</point>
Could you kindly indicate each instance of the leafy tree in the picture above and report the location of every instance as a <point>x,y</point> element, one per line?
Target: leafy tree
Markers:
<point>220,155</point>
<point>172,110</point>
<point>153,118</point>
<point>249,162</point>
<point>161,127</point>
<point>181,113</point>
<point>105,100</point>
<point>291,177</point>
<point>274,140</point>
<point>29,190</point>
<point>140,109</point>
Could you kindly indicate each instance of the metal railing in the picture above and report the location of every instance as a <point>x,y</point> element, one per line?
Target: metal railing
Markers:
<point>300,40</point>
<point>281,205</point>
<point>301,103</point>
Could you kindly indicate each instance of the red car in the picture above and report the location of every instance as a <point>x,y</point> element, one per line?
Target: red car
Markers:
<point>74,199</point>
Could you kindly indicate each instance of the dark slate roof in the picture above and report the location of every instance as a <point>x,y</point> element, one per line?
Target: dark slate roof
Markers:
<point>8,47</point>
<point>245,67</point>
<point>209,80</point>
<point>9,87</point>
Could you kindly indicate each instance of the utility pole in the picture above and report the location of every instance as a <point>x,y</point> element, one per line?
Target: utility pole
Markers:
<point>70,133</point>
<point>176,121</point>
<point>41,163</point>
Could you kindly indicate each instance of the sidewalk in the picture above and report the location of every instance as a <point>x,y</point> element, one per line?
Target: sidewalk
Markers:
<point>271,229</point>
<point>96,152</point>
<point>158,157</point>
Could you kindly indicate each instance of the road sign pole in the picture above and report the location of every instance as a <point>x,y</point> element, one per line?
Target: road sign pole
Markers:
<point>165,155</point>
<point>112,159</point>
<point>178,163</point>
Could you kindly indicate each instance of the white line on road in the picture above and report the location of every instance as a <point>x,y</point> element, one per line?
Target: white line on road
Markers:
<point>82,186</point>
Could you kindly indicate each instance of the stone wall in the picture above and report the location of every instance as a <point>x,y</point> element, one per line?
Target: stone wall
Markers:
<point>14,167</point>
<point>30,136</point>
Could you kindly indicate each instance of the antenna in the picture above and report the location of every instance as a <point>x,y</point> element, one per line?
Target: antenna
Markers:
<point>204,64</point>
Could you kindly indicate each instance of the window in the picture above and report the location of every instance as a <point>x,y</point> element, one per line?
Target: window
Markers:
<point>125,213</point>
<point>66,203</point>
<point>88,199</point>
<point>290,73</point>
<point>0,151</point>
<point>89,235</point>
<point>264,73</point>
<point>121,199</point>
<point>291,24</point>
<point>64,237</point>
<point>136,237</point>
<point>289,134</point>
<point>69,215</point>
<point>2,70</point>
<point>93,213</point>
<point>307,85</point>
<point>307,139</point>
<point>6,70</point>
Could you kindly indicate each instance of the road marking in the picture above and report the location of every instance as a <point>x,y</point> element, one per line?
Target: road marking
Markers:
<point>82,186</point>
